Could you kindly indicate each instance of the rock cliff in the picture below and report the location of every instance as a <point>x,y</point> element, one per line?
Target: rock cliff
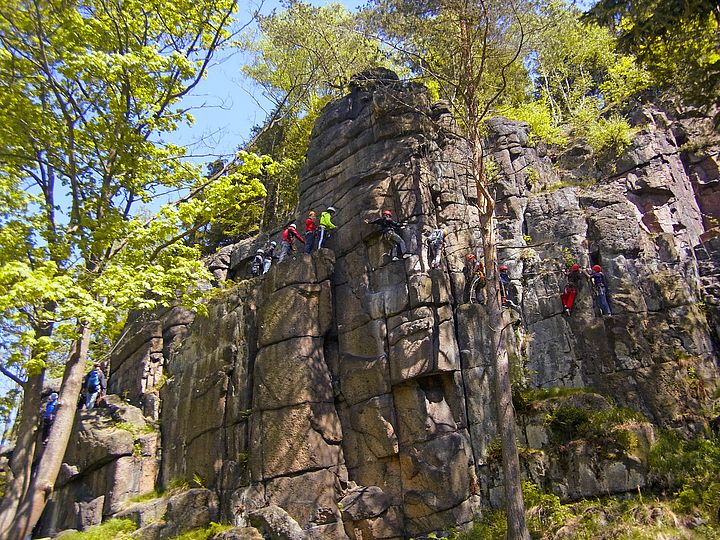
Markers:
<point>347,395</point>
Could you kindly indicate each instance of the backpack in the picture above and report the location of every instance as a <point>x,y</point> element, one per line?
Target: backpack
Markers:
<point>256,266</point>
<point>436,236</point>
<point>50,409</point>
<point>93,380</point>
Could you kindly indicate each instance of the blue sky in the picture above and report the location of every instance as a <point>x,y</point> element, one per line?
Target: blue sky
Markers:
<point>227,104</point>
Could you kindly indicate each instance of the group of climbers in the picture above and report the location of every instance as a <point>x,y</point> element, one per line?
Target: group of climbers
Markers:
<point>316,234</point>
<point>599,287</point>
<point>475,278</point>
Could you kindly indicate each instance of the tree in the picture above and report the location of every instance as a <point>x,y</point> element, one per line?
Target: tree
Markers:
<point>470,49</point>
<point>579,80</point>
<point>89,90</point>
<point>677,40</point>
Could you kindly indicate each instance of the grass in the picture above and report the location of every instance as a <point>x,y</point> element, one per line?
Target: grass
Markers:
<point>203,533</point>
<point>599,519</point>
<point>113,529</point>
<point>149,496</point>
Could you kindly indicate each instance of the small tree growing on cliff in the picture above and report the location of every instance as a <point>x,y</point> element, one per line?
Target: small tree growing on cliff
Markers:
<point>469,50</point>
<point>89,89</point>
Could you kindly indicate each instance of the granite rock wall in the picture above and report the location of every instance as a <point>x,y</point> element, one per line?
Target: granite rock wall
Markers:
<point>347,395</point>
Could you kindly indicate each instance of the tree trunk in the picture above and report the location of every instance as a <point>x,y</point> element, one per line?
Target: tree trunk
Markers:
<point>514,506</point>
<point>22,457</point>
<point>43,482</point>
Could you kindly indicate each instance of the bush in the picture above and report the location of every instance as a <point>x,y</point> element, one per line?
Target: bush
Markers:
<point>690,468</point>
<point>539,118</point>
<point>544,512</point>
<point>113,529</point>
<point>492,526</point>
<point>613,133</point>
<point>203,533</point>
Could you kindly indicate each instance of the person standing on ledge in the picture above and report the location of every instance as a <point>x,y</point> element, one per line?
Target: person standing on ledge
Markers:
<point>326,225</point>
<point>288,239</point>
<point>95,385</point>
<point>311,231</point>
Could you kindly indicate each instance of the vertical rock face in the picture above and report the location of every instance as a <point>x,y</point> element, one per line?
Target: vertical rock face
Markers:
<point>347,395</point>
<point>637,216</point>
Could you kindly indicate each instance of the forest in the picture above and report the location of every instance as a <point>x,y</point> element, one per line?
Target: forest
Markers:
<point>101,216</point>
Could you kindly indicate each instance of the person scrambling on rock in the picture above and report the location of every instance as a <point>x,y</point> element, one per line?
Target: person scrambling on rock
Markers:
<point>600,290</point>
<point>506,288</point>
<point>326,225</point>
<point>94,385</point>
<point>474,271</point>
<point>269,254</point>
<point>436,242</point>
<point>391,230</point>
<point>256,266</point>
<point>49,416</point>
<point>288,239</point>
<point>311,231</point>
<point>573,285</point>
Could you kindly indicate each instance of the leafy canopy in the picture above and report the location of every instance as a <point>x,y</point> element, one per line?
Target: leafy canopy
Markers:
<point>90,90</point>
<point>678,41</point>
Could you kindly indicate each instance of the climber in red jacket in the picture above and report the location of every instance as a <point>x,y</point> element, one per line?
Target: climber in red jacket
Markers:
<point>311,231</point>
<point>288,239</point>
<point>573,284</point>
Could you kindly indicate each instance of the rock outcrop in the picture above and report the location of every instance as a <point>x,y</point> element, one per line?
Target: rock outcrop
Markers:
<point>347,395</point>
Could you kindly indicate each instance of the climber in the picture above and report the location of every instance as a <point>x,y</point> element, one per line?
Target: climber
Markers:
<point>269,254</point>
<point>506,288</point>
<point>475,277</point>
<point>600,289</point>
<point>391,230</point>
<point>311,230</point>
<point>49,416</point>
<point>256,266</point>
<point>288,239</point>
<point>326,225</point>
<point>436,242</point>
<point>573,285</point>
<point>94,385</point>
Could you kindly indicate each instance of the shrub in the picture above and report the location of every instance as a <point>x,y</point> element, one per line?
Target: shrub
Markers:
<point>113,529</point>
<point>539,118</point>
<point>492,526</point>
<point>613,133</point>
<point>691,468</point>
<point>203,533</point>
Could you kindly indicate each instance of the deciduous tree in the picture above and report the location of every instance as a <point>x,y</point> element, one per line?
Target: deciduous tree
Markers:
<point>90,89</point>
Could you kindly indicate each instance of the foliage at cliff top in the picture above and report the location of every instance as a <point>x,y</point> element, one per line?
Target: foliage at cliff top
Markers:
<point>678,41</point>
